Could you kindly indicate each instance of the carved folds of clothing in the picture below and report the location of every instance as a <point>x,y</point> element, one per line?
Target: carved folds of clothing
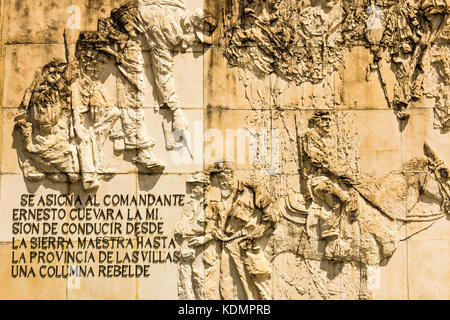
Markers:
<point>130,95</point>
<point>45,123</point>
<point>191,267</point>
<point>247,221</point>
<point>321,156</point>
<point>162,24</point>
<point>335,202</point>
<point>65,125</point>
<point>94,117</point>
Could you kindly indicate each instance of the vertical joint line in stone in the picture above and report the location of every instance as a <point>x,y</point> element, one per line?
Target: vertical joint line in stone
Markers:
<point>2,46</point>
<point>2,71</point>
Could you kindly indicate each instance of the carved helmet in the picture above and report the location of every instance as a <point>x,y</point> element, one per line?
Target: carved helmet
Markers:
<point>90,40</point>
<point>221,166</point>
<point>200,178</point>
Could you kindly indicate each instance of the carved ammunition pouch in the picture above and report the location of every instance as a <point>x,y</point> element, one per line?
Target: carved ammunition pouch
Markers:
<point>257,263</point>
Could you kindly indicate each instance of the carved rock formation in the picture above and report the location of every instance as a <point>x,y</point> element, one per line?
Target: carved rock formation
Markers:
<point>306,41</point>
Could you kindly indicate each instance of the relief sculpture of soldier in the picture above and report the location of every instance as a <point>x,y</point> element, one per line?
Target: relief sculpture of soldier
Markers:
<point>222,240</point>
<point>165,27</point>
<point>246,219</point>
<point>93,113</point>
<point>190,233</point>
<point>327,174</point>
<point>65,117</point>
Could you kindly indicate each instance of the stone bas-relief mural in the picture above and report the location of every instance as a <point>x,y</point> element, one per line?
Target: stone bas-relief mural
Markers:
<point>341,189</point>
<point>66,115</point>
<point>306,41</point>
<point>342,216</point>
<point>229,238</point>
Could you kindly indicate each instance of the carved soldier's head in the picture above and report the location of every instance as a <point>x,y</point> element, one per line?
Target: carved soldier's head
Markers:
<point>199,184</point>
<point>227,180</point>
<point>89,55</point>
<point>321,121</point>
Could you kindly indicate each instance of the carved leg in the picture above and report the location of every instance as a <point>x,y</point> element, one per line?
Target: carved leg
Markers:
<point>198,275</point>
<point>105,118</point>
<point>162,64</point>
<point>86,159</point>
<point>88,171</point>
<point>211,256</point>
<point>263,284</point>
<point>260,270</point>
<point>231,255</point>
<point>185,289</point>
<point>227,286</point>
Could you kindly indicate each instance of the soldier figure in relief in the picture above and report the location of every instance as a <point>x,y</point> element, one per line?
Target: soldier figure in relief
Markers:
<point>44,122</point>
<point>93,113</point>
<point>165,27</point>
<point>65,118</point>
<point>190,234</point>
<point>246,218</point>
<point>162,23</point>
<point>328,174</point>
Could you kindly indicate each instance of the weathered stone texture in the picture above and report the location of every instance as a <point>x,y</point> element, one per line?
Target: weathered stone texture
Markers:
<point>309,138</point>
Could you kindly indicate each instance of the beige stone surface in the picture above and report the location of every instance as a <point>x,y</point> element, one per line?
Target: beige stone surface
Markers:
<point>100,287</point>
<point>307,143</point>
<point>27,289</point>
<point>40,22</point>
<point>20,57</point>
<point>392,281</point>
<point>13,187</point>
<point>426,280</point>
<point>359,93</point>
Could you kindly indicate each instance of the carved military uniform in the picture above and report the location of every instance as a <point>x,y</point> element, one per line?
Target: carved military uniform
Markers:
<point>324,166</point>
<point>246,221</point>
<point>191,268</point>
<point>45,122</point>
<point>91,110</point>
<point>130,97</point>
<point>190,234</point>
<point>162,27</point>
<point>93,114</point>
<point>165,25</point>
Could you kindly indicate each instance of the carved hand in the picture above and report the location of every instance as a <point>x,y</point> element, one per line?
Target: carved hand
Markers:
<point>195,242</point>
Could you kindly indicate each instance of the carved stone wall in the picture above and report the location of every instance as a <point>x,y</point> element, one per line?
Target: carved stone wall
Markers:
<point>265,149</point>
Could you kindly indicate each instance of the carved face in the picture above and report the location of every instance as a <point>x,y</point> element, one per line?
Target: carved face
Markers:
<point>321,122</point>
<point>330,4</point>
<point>324,123</point>
<point>92,62</point>
<point>226,183</point>
<point>198,190</point>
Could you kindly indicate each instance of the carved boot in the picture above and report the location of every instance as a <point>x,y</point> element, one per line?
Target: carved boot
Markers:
<point>179,121</point>
<point>146,158</point>
<point>402,114</point>
<point>90,181</point>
